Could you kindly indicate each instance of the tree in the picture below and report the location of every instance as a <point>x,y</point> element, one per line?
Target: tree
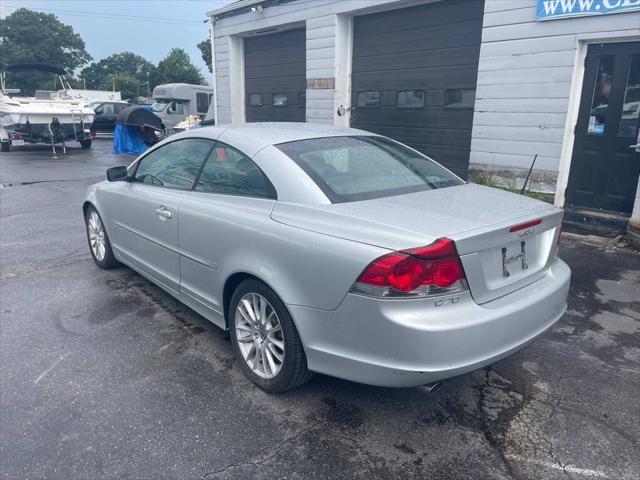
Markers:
<point>177,67</point>
<point>127,85</point>
<point>36,37</point>
<point>125,68</point>
<point>205,50</point>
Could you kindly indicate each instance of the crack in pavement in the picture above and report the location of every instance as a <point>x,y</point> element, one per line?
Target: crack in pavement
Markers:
<point>266,457</point>
<point>34,182</point>
<point>495,442</point>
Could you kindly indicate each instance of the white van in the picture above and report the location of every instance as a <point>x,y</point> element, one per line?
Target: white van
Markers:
<point>173,102</point>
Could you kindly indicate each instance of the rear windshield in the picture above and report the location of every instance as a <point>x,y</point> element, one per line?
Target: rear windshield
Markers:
<point>348,169</point>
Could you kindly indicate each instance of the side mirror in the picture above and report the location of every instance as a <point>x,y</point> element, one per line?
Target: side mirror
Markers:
<point>98,111</point>
<point>117,174</point>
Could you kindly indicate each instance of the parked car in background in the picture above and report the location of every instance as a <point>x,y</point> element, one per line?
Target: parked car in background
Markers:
<point>332,250</point>
<point>106,115</point>
<point>173,102</point>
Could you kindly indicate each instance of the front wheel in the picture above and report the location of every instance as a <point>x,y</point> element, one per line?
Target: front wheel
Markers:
<point>85,143</point>
<point>5,146</point>
<point>99,243</point>
<point>265,339</point>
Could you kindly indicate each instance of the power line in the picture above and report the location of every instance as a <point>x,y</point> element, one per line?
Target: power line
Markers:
<point>112,16</point>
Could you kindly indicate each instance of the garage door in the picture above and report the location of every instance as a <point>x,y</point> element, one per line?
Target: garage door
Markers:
<point>414,77</point>
<point>275,77</point>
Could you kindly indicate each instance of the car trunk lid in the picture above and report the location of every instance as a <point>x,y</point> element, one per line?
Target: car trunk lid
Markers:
<point>477,218</point>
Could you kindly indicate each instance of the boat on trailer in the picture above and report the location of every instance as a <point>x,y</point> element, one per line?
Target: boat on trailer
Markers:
<point>50,121</point>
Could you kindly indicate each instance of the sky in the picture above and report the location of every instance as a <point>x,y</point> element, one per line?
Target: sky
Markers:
<point>107,26</point>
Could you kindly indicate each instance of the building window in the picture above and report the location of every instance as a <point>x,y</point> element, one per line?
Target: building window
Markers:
<point>601,97</point>
<point>459,98</point>
<point>279,99</point>
<point>631,107</point>
<point>368,99</point>
<point>411,99</point>
<point>255,99</point>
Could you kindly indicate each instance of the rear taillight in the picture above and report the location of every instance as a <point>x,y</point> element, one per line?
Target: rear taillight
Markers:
<point>16,136</point>
<point>419,272</point>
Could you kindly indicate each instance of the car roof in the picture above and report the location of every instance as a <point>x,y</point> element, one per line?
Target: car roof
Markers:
<point>250,138</point>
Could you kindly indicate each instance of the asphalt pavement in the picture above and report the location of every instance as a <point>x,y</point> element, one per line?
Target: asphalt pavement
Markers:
<point>103,375</point>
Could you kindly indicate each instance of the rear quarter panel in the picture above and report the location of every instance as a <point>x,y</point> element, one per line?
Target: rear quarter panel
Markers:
<point>236,234</point>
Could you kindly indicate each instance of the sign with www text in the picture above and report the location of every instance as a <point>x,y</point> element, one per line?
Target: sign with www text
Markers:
<point>550,9</point>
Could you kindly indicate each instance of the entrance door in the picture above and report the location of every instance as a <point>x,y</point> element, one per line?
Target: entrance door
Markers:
<point>606,159</point>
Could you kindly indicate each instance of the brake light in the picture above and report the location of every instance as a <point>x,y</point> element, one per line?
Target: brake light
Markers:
<point>418,272</point>
<point>522,226</point>
<point>17,136</point>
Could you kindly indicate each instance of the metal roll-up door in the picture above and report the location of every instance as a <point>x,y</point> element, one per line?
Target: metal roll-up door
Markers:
<point>414,77</point>
<point>275,77</point>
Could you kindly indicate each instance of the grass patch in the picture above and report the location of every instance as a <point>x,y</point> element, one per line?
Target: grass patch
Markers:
<point>488,179</point>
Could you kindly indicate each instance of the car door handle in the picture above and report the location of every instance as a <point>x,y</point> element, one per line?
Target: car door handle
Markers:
<point>164,212</point>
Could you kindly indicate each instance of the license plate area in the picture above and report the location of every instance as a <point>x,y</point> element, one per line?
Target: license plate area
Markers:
<point>514,258</point>
<point>17,143</point>
<point>508,263</point>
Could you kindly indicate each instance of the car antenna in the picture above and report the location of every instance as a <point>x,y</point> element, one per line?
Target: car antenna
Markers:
<point>524,185</point>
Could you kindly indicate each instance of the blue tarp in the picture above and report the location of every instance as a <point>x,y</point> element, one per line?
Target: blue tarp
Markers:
<point>127,139</point>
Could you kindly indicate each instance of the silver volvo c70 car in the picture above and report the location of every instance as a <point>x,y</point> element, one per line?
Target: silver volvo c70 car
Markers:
<point>333,250</point>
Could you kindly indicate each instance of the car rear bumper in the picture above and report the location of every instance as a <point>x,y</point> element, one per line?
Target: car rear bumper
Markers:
<point>404,343</point>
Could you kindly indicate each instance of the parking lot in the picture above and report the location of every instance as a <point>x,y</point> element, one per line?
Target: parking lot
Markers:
<point>103,375</point>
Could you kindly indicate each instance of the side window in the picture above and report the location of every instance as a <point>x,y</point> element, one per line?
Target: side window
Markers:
<point>231,172</point>
<point>107,108</point>
<point>459,98</point>
<point>255,99</point>
<point>368,99</point>
<point>280,99</point>
<point>176,107</point>
<point>174,165</point>
<point>411,99</point>
<point>202,102</point>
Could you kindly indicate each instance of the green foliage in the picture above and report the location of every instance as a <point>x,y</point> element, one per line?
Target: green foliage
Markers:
<point>177,67</point>
<point>488,179</point>
<point>483,178</point>
<point>205,50</point>
<point>128,86</point>
<point>127,69</point>
<point>29,36</point>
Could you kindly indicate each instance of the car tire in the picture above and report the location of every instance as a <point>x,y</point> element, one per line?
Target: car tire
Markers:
<point>292,366</point>
<point>99,244</point>
<point>5,146</point>
<point>85,143</point>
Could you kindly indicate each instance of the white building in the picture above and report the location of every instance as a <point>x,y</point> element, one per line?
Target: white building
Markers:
<point>476,84</point>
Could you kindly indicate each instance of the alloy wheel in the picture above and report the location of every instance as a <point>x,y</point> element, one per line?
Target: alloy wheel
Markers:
<point>259,335</point>
<point>96,236</point>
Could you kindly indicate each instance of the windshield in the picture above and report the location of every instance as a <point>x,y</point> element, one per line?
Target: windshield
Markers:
<point>160,105</point>
<point>355,168</point>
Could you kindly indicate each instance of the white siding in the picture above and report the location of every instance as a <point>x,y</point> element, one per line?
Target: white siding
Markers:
<point>525,82</point>
<point>320,18</point>
<point>223,85</point>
